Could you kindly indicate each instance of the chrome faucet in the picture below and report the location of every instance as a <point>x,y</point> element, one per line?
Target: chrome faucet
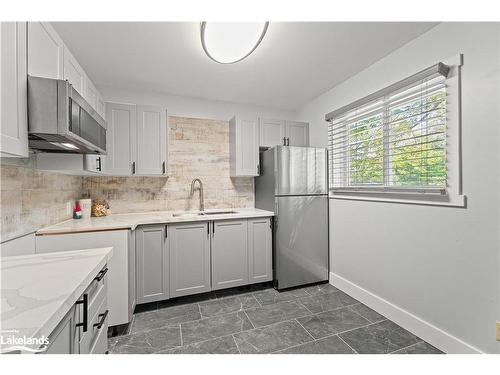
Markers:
<point>202,205</point>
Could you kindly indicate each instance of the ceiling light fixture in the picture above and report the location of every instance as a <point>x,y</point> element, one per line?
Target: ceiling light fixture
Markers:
<point>230,42</point>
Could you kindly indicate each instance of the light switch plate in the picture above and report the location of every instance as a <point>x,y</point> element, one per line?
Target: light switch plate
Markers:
<point>498,331</point>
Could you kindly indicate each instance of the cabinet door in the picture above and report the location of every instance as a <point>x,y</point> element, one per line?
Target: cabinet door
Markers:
<point>297,133</point>
<point>229,254</point>
<point>272,132</point>
<point>64,340</point>
<point>100,108</point>
<point>121,139</point>
<point>13,93</point>
<point>74,73</point>
<point>189,258</point>
<point>152,264</point>
<point>45,51</point>
<point>243,147</point>
<point>91,94</point>
<point>259,250</point>
<point>151,140</point>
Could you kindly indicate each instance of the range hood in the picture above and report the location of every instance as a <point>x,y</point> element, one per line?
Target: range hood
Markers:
<point>61,121</point>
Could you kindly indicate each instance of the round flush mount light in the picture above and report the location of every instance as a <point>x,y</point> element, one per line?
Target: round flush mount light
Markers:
<point>230,42</point>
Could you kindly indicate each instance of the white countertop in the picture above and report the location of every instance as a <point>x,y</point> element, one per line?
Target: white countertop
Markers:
<point>38,290</point>
<point>132,220</point>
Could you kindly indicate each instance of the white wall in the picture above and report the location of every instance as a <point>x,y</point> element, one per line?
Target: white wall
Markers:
<point>440,264</point>
<point>193,107</point>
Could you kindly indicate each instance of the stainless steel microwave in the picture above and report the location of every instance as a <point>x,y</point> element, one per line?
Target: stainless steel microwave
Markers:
<point>60,120</point>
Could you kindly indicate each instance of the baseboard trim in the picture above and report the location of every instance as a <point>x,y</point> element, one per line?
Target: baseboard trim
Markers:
<point>426,331</point>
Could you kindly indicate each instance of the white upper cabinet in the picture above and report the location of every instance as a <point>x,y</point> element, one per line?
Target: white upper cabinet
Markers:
<point>121,139</point>
<point>13,93</point>
<point>151,140</point>
<point>137,140</point>
<point>297,133</point>
<point>100,106</point>
<point>74,73</point>
<point>243,147</point>
<point>91,94</point>
<point>286,133</point>
<point>45,51</point>
<point>272,132</point>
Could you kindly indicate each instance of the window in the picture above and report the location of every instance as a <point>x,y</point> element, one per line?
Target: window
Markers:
<point>394,140</point>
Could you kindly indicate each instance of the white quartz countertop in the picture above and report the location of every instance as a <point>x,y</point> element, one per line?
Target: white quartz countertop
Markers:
<point>132,220</point>
<point>37,291</point>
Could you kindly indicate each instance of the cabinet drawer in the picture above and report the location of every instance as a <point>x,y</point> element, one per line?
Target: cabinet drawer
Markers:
<point>100,345</point>
<point>97,324</point>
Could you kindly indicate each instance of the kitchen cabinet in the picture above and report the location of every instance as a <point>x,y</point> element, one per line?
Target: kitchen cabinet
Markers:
<point>280,132</point>
<point>151,140</point>
<point>74,73</point>
<point>13,95</point>
<point>272,132</point>
<point>260,262</point>
<point>137,140</point>
<point>83,330</point>
<point>297,133</point>
<point>152,263</point>
<point>243,147</point>
<point>45,51</point>
<point>229,254</point>
<point>119,298</point>
<point>121,139</point>
<point>189,245</point>
<point>64,338</point>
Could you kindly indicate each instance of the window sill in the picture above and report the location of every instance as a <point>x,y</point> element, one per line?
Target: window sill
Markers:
<point>454,200</point>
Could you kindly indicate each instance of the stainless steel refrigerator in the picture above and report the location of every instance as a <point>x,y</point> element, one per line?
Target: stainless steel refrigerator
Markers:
<point>293,184</point>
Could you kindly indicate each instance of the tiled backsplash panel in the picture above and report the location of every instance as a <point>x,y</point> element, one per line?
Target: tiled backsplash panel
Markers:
<point>32,199</point>
<point>197,148</point>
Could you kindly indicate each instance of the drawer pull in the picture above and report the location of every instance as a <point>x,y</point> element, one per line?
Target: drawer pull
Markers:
<point>85,303</point>
<point>101,274</point>
<point>103,319</point>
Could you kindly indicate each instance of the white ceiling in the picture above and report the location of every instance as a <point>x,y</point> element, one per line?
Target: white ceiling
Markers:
<point>294,63</point>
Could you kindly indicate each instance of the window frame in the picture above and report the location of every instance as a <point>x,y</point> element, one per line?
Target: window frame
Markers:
<point>450,196</point>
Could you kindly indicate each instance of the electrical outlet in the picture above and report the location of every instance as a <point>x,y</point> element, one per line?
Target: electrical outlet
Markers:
<point>498,331</point>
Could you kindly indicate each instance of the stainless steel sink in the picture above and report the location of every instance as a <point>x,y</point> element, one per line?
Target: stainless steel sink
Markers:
<point>204,213</point>
<point>218,213</point>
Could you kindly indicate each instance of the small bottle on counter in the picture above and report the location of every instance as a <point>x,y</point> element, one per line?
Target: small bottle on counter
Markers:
<point>77,211</point>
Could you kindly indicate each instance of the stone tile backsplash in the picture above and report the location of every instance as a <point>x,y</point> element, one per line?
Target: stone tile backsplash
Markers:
<point>197,148</point>
<point>31,199</point>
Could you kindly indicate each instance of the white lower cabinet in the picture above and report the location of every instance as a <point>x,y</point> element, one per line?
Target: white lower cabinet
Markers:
<point>189,258</point>
<point>64,338</point>
<point>121,296</point>
<point>260,253</point>
<point>84,329</point>
<point>229,254</point>
<point>152,277</point>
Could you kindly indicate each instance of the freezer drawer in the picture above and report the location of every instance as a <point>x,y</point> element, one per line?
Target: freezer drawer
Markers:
<point>301,240</point>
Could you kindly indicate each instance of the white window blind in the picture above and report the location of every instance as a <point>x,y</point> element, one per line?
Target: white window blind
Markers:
<point>393,140</point>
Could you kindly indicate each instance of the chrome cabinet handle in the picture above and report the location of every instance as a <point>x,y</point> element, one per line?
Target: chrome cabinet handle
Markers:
<point>288,141</point>
<point>163,168</point>
<point>133,167</point>
<point>284,141</point>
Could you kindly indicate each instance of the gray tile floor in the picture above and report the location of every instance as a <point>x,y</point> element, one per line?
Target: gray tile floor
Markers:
<point>315,320</point>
